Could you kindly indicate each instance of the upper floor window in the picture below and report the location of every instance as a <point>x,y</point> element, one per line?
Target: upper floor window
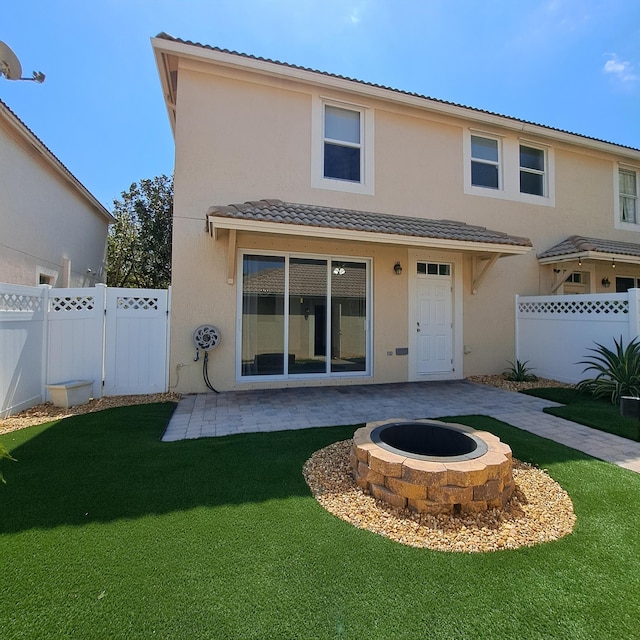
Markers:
<point>342,144</point>
<point>485,162</point>
<point>628,191</point>
<point>532,170</point>
<point>508,167</point>
<point>342,147</point>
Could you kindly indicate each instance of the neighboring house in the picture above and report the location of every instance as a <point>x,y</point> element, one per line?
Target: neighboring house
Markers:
<point>52,230</point>
<point>341,232</point>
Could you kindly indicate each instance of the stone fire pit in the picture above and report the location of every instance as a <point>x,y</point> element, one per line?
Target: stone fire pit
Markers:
<point>432,467</point>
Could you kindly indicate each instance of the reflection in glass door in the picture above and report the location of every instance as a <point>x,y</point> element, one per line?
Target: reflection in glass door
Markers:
<point>307,311</point>
<point>348,316</point>
<point>303,316</point>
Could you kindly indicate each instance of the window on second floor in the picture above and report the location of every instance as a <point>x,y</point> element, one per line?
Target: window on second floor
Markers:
<point>508,167</point>
<point>628,193</point>
<point>532,170</point>
<point>342,144</point>
<point>485,162</point>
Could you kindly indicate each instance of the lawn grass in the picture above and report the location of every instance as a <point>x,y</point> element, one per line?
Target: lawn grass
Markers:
<point>106,532</point>
<point>585,409</point>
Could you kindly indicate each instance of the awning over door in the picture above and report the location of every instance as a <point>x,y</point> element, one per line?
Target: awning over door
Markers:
<point>286,218</point>
<point>275,216</point>
<point>577,248</point>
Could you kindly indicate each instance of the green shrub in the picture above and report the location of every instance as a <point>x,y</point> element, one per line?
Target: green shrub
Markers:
<point>519,372</point>
<point>7,456</point>
<point>618,371</point>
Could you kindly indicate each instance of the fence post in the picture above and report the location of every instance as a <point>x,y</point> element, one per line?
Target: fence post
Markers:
<point>101,294</point>
<point>634,313</point>
<point>517,333</point>
<point>168,341</point>
<point>44,291</point>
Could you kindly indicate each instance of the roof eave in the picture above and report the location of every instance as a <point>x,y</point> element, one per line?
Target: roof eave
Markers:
<point>590,255</point>
<point>168,91</point>
<point>215,223</point>
<point>266,67</point>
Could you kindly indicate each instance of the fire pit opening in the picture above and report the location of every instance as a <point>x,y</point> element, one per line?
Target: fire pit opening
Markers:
<point>429,441</point>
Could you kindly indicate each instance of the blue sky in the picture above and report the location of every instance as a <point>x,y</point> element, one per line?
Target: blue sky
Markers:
<point>570,64</point>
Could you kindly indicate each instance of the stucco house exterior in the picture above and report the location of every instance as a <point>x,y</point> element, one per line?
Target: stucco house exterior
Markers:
<point>340,232</point>
<point>52,229</point>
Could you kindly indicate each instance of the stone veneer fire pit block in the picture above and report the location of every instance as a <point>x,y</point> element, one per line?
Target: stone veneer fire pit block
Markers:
<point>432,467</point>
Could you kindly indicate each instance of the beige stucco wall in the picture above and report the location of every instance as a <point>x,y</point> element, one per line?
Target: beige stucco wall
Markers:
<point>44,223</point>
<point>242,137</point>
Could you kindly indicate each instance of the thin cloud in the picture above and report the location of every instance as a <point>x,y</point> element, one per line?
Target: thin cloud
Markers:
<point>621,70</point>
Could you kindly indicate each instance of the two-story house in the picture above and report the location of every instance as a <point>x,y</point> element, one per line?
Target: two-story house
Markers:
<point>341,232</point>
<point>52,229</point>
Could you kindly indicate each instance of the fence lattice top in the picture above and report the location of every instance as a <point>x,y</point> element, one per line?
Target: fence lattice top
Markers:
<point>20,302</point>
<point>72,303</point>
<point>136,304</point>
<point>572,307</point>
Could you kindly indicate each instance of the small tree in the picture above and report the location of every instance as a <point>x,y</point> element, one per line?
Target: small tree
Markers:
<point>139,242</point>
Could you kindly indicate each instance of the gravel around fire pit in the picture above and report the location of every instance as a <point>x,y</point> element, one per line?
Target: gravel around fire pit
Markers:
<point>540,511</point>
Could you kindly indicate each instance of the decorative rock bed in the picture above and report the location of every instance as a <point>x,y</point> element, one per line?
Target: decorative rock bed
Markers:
<point>478,478</point>
<point>540,510</point>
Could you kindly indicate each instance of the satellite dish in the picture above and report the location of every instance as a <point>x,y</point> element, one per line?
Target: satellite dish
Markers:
<point>9,64</point>
<point>11,68</point>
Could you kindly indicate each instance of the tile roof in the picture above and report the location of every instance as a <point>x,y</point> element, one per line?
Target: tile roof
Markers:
<point>580,244</point>
<point>364,221</point>
<point>166,36</point>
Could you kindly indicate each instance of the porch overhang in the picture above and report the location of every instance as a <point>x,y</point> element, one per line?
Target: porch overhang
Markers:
<point>283,218</point>
<point>579,249</point>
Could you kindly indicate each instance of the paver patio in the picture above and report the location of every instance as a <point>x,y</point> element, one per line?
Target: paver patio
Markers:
<point>210,415</point>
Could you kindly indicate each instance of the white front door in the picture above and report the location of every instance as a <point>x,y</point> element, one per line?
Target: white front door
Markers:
<point>434,321</point>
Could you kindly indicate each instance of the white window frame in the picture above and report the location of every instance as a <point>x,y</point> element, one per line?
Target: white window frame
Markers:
<point>497,164</point>
<point>366,184</point>
<point>368,373</point>
<point>509,158</point>
<point>537,172</point>
<point>619,223</point>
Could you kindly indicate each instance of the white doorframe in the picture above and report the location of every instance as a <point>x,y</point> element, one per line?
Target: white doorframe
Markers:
<point>455,260</point>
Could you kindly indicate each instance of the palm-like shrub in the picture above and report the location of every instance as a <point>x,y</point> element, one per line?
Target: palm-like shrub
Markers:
<point>618,371</point>
<point>519,372</point>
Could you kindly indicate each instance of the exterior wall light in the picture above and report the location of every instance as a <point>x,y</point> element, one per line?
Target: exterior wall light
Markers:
<point>605,283</point>
<point>397,267</point>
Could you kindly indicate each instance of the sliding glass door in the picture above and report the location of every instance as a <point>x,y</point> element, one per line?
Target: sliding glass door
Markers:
<point>304,316</point>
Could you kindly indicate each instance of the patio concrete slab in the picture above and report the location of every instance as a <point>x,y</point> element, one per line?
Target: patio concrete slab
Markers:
<point>212,415</point>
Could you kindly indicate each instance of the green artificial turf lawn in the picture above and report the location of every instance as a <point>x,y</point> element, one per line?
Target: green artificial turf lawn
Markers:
<point>106,532</point>
<point>584,409</point>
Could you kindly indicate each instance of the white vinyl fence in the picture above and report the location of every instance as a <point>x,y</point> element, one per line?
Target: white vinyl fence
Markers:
<point>555,333</point>
<point>118,338</point>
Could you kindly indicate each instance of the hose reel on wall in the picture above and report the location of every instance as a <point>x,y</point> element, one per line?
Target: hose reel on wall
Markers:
<point>206,337</point>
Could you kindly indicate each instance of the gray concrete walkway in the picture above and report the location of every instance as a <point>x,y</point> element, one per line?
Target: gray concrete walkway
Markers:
<point>210,415</point>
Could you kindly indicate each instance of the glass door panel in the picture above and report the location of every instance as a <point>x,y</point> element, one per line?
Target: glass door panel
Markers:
<point>263,286</point>
<point>307,316</point>
<point>348,316</point>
